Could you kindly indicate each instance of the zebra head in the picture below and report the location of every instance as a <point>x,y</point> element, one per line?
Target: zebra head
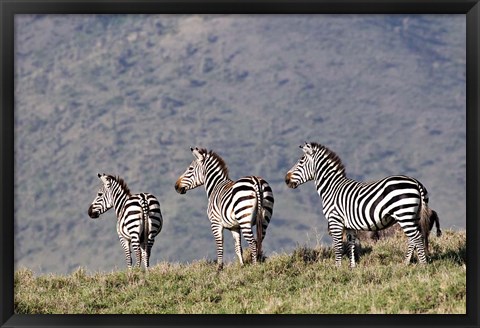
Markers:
<point>103,201</point>
<point>303,170</point>
<point>194,176</point>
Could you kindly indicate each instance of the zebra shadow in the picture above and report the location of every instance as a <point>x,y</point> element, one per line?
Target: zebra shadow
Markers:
<point>360,251</point>
<point>457,256</point>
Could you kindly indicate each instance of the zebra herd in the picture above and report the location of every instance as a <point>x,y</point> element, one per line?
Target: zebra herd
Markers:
<point>348,205</point>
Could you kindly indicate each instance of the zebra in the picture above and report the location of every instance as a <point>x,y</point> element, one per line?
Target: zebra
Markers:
<point>352,206</point>
<point>139,219</point>
<point>233,205</point>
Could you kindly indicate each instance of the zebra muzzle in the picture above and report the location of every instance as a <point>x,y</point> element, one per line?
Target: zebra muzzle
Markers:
<point>289,182</point>
<point>180,190</point>
<point>93,214</point>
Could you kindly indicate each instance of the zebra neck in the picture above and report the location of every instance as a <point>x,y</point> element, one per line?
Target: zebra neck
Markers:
<point>326,181</point>
<point>215,182</point>
<point>119,201</point>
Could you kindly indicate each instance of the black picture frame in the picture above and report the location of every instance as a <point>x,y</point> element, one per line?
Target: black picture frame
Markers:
<point>9,8</point>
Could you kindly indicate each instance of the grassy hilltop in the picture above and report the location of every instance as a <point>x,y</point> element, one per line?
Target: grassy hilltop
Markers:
<point>304,281</point>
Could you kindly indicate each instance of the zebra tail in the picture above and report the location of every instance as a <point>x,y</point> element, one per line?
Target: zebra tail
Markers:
<point>259,217</point>
<point>425,216</point>
<point>145,223</point>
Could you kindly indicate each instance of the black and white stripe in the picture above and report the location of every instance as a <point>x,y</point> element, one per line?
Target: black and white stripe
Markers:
<point>139,219</point>
<point>351,205</point>
<point>233,205</point>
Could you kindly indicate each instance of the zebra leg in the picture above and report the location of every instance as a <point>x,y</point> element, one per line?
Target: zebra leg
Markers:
<point>248,235</point>
<point>415,240</point>
<point>218,235</point>
<point>126,248</point>
<point>266,221</point>
<point>264,230</point>
<point>138,252</point>
<point>420,246</point>
<point>238,244</point>
<point>143,248</point>
<point>351,237</point>
<point>267,216</point>
<point>338,248</point>
<point>335,229</point>
<point>148,251</point>
<point>411,248</point>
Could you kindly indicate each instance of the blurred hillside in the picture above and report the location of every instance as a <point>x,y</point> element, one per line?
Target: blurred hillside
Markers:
<point>129,95</point>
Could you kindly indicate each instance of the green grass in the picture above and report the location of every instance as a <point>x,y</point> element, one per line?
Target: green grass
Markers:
<point>304,281</point>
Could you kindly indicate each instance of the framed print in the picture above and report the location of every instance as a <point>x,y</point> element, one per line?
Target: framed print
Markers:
<point>186,119</point>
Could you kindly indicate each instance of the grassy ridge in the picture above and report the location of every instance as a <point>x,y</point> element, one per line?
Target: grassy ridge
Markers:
<point>304,281</point>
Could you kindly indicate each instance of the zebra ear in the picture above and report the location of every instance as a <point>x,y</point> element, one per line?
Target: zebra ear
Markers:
<point>307,148</point>
<point>103,177</point>
<point>304,145</point>
<point>197,154</point>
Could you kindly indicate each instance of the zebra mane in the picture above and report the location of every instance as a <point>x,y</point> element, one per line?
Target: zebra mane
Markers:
<point>331,155</point>
<point>219,160</point>
<point>122,184</point>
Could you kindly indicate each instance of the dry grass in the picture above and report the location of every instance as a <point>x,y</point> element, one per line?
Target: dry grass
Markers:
<point>305,281</point>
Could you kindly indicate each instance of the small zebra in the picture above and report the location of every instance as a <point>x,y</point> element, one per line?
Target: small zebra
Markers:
<point>139,218</point>
<point>233,205</point>
<point>351,205</point>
